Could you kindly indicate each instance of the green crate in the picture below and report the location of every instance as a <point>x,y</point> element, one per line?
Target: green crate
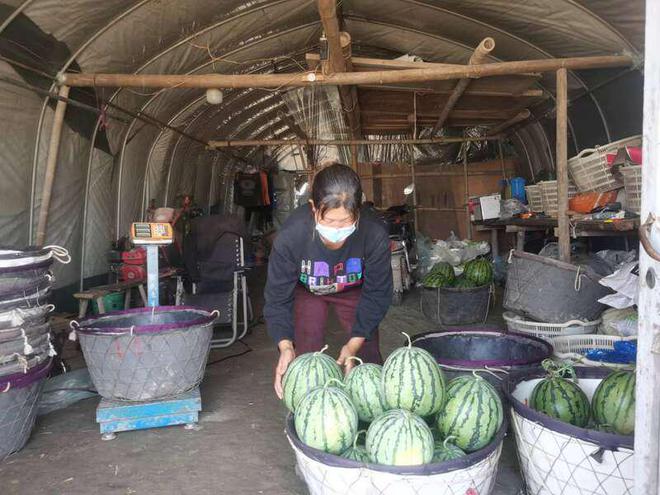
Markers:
<point>112,302</point>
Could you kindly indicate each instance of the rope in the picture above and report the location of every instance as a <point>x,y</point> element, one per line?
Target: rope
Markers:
<point>60,254</point>
<point>27,348</point>
<point>510,256</point>
<point>577,285</point>
<point>485,369</point>
<point>7,388</point>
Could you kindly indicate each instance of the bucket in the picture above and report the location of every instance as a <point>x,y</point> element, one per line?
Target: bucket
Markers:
<point>19,396</point>
<point>14,279</point>
<point>518,189</point>
<point>327,474</point>
<point>146,353</point>
<point>551,291</point>
<point>558,458</point>
<point>36,294</point>
<point>495,353</point>
<point>456,306</point>
<point>30,316</point>
<point>111,302</point>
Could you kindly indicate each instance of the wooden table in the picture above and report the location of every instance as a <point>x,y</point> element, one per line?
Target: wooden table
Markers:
<point>97,293</point>
<point>578,228</point>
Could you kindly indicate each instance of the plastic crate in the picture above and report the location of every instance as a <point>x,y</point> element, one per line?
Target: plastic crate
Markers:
<point>534,198</point>
<point>550,198</point>
<point>590,169</point>
<point>572,347</point>
<point>632,182</point>
<point>517,323</point>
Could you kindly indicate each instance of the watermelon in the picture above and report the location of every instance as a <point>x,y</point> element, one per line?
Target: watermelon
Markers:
<point>559,397</point>
<point>442,275</point>
<point>363,386</point>
<point>479,271</point>
<point>464,283</point>
<point>399,438</point>
<point>306,372</point>
<point>325,419</point>
<point>413,380</point>
<point>357,452</point>
<point>446,451</point>
<point>472,414</point>
<point>613,403</point>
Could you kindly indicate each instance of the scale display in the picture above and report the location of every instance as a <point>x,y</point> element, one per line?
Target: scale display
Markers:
<point>143,233</point>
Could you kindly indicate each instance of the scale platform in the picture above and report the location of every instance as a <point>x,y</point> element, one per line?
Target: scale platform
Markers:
<point>116,416</point>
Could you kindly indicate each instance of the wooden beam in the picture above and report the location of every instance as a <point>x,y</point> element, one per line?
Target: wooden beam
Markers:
<point>302,79</point>
<point>243,143</point>
<point>519,117</point>
<point>314,60</point>
<point>51,165</point>
<point>486,46</point>
<point>562,166</point>
<point>339,61</point>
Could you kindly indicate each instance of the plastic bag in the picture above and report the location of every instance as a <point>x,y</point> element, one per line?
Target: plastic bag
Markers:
<point>453,251</point>
<point>624,352</point>
<point>511,207</point>
<point>625,282</point>
<point>619,322</point>
<point>64,390</point>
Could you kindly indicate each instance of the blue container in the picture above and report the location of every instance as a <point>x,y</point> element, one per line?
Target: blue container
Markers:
<point>518,189</point>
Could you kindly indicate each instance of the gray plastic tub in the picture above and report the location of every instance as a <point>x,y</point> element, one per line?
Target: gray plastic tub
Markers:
<point>19,397</point>
<point>490,351</point>
<point>552,291</point>
<point>146,353</point>
<point>455,306</point>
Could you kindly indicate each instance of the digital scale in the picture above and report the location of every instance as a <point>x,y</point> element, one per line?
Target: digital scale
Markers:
<point>116,416</point>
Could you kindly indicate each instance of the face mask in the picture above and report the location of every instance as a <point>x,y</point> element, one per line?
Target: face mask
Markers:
<point>333,234</point>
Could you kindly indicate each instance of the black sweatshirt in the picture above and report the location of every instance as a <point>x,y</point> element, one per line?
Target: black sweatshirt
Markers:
<point>300,257</point>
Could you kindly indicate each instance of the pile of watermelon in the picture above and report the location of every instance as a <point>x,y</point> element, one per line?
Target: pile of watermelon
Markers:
<point>476,273</point>
<point>612,407</point>
<point>411,416</point>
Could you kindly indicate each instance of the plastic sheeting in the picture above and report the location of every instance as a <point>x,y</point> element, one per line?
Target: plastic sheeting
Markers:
<point>203,36</point>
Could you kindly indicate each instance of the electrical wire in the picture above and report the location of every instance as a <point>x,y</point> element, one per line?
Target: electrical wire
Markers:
<point>246,351</point>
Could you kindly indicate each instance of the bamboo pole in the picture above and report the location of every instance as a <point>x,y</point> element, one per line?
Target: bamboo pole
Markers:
<point>486,46</point>
<point>501,155</point>
<point>562,166</point>
<point>51,164</point>
<point>519,117</point>
<point>241,143</point>
<point>466,178</point>
<point>339,79</point>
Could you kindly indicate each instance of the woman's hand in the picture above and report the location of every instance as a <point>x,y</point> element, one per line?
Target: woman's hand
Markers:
<point>287,354</point>
<point>351,348</point>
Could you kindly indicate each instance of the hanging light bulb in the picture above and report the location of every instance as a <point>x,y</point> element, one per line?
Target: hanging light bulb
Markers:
<point>214,96</point>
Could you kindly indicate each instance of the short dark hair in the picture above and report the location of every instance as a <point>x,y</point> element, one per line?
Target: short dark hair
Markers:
<point>337,186</point>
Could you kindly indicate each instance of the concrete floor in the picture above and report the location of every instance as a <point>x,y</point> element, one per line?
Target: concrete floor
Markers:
<point>241,448</point>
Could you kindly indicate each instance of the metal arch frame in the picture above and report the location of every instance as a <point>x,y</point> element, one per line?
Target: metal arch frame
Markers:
<point>127,12</point>
<point>152,98</point>
<point>88,177</point>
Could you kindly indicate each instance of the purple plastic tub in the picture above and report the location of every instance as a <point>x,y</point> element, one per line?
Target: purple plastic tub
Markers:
<point>19,397</point>
<point>146,353</point>
<point>490,351</point>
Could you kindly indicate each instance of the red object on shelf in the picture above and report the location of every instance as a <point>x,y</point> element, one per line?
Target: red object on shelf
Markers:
<point>137,256</point>
<point>132,273</point>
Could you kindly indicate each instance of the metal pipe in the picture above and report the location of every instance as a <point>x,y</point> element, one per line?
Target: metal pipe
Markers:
<point>341,142</point>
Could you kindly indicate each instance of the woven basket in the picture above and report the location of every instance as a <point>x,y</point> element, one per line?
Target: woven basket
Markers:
<point>590,170</point>
<point>549,196</point>
<point>517,323</point>
<point>632,182</point>
<point>534,198</point>
<point>557,458</point>
<point>572,347</point>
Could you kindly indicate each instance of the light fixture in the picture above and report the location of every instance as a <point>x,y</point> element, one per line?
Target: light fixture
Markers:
<point>214,96</point>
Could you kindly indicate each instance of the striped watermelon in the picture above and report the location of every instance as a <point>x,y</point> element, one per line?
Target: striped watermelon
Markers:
<point>613,403</point>
<point>446,451</point>
<point>559,397</point>
<point>441,275</point>
<point>399,438</point>
<point>479,271</point>
<point>326,419</point>
<point>306,372</point>
<point>464,283</point>
<point>412,380</point>
<point>357,452</point>
<point>472,413</point>
<point>562,399</point>
<point>363,386</point>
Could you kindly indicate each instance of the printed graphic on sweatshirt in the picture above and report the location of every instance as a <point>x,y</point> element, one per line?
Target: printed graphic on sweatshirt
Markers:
<point>320,278</point>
